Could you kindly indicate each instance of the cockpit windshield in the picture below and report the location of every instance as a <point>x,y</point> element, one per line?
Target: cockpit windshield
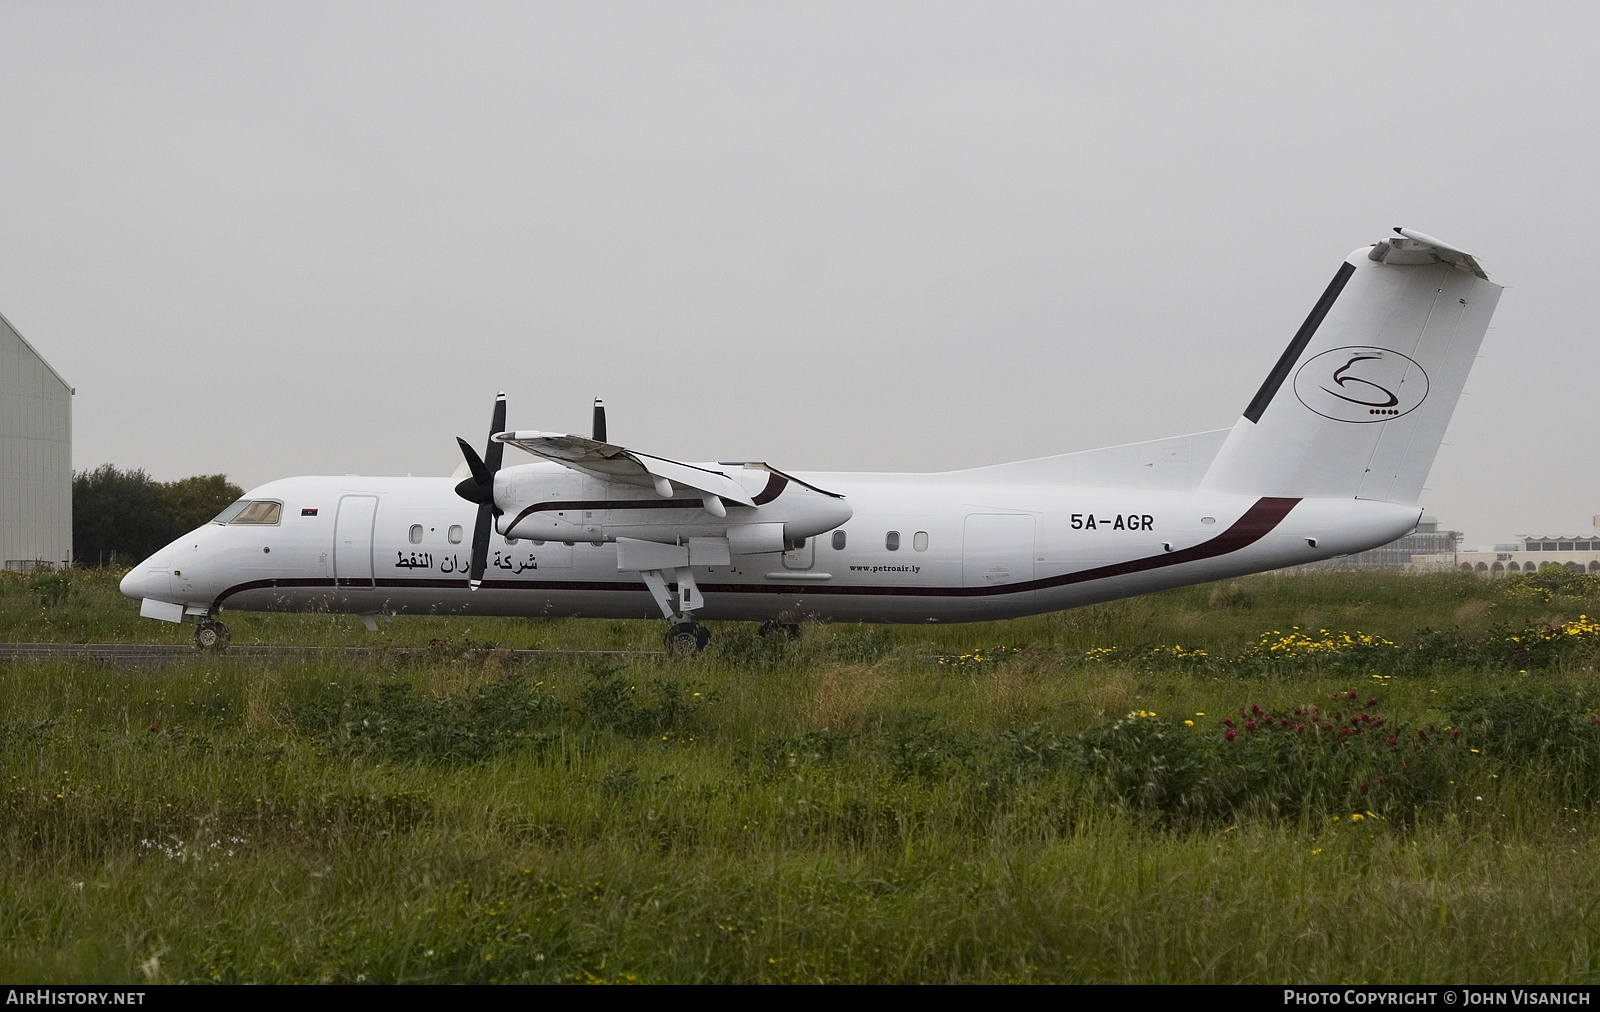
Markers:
<point>251,511</point>
<point>230,512</point>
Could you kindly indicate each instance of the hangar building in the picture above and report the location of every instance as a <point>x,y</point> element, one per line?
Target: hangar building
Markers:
<point>35,457</point>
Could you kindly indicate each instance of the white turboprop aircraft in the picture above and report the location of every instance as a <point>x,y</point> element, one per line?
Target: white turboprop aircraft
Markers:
<point>1329,458</point>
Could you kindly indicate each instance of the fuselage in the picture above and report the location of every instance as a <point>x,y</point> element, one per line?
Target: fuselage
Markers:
<point>950,547</point>
<point>1328,458</point>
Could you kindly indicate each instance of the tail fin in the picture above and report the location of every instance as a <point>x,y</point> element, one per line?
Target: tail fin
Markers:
<point>1359,402</point>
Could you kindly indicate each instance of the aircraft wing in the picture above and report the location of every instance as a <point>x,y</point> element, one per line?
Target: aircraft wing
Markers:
<point>609,462</point>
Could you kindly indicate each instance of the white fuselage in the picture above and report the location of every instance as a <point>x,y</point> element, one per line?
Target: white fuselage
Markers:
<point>1328,458</point>
<point>969,546</point>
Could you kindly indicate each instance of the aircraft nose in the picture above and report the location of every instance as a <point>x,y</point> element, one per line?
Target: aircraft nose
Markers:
<point>138,584</point>
<point>130,584</point>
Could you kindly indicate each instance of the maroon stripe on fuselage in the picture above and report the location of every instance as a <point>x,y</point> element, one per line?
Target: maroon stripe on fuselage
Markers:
<point>1256,523</point>
<point>287,583</point>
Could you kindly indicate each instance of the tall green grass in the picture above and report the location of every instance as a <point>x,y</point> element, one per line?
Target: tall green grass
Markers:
<point>865,804</point>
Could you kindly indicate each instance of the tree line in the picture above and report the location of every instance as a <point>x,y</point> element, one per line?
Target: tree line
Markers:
<point>121,517</point>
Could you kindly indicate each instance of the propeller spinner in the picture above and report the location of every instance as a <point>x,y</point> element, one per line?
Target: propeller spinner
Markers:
<point>479,488</point>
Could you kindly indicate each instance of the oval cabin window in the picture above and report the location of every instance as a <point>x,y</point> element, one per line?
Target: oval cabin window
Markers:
<point>416,534</point>
<point>891,541</point>
<point>919,541</point>
<point>455,534</point>
<point>838,541</point>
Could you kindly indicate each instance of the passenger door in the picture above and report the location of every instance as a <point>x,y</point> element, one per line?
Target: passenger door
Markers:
<point>352,541</point>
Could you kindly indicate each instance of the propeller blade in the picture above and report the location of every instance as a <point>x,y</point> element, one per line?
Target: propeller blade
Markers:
<point>479,486</point>
<point>480,489</point>
<point>480,544</point>
<point>495,452</point>
<point>599,420</point>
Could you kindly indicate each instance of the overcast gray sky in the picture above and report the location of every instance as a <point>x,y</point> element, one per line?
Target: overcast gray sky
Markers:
<point>275,239</point>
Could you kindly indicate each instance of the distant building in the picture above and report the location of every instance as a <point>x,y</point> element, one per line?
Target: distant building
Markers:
<point>1426,540</point>
<point>35,457</point>
<point>1574,553</point>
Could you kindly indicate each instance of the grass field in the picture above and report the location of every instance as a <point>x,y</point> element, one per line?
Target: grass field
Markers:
<point>1136,791</point>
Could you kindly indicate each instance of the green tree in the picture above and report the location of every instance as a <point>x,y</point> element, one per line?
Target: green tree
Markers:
<point>190,502</point>
<point>120,517</point>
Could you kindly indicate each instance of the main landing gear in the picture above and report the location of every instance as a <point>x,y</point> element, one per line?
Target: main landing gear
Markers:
<point>772,629</point>
<point>678,598</point>
<point>209,634</point>
<point>685,639</point>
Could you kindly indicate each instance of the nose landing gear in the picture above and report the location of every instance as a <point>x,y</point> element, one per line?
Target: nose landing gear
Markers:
<point>210,634</point>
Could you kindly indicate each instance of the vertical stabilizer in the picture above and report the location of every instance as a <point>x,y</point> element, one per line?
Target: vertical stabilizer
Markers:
<point>1359,401</point>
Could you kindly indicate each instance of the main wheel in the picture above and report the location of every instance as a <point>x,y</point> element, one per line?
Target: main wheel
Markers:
<point>685,639</point>
<point>773,629</point>
<point>210,635</point>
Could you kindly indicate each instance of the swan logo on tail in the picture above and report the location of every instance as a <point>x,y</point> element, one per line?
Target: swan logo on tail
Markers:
<point>1361,384</point>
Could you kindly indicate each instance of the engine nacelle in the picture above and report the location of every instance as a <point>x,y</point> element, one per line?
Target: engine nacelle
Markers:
<point>547,502</point>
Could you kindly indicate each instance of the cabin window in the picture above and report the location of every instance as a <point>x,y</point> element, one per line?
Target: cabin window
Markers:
<point>838,541</point>
<point>919,541</point>
<point>511,541</point>
<point>891,541</point>
<point>259,512</point>
<point>455,534</point>
<point>416,534</point>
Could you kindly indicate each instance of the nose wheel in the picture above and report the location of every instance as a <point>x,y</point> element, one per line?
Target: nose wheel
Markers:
<point>685,639</point>
<point>210,635</point>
